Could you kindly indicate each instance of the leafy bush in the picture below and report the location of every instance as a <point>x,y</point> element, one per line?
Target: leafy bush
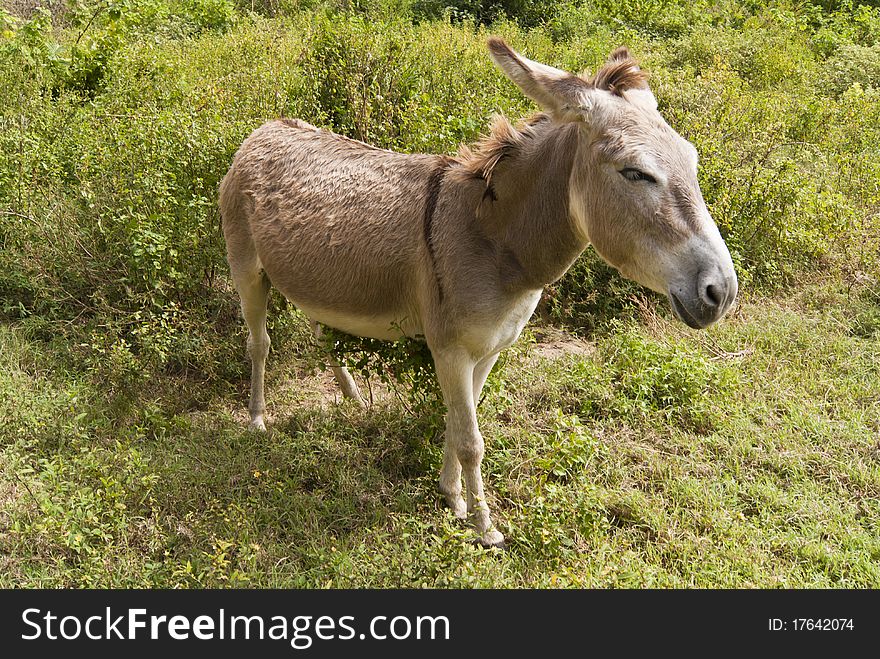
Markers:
<point>120,119</point>
<point>112,202</point>
<point>672,379</point>
<point>527,13</point>
<point>404,365</point>
<point>590,295</point>
<point>852,64</point>
<point>773,167</point>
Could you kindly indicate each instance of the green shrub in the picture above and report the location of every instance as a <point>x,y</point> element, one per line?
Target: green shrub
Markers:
<point>672,379</point>
<point>590,295</point>
<point>119,122</point>
<point>852,64</point>
<point>773,169</point>
<point>527,13</point>
<point>404,365</point>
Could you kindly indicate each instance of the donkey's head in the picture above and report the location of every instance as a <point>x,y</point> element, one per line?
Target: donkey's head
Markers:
<point>633,191</point>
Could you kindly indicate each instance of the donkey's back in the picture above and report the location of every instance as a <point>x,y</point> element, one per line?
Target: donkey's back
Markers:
<point>335,224</point>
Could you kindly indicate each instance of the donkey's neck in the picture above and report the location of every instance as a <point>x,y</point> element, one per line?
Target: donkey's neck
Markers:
<point>529,219</point>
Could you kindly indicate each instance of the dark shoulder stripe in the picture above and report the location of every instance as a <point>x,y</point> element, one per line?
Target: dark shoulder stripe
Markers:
<point>435,183</point>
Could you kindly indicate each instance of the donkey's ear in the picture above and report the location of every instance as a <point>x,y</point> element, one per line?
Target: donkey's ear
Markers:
<point>564,95</point>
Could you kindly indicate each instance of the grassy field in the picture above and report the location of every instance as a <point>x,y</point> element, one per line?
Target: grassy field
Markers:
<point>623,449</point>
<point>649,455</point>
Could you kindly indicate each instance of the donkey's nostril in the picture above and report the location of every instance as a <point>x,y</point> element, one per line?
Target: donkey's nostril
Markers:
<point>714,295</point>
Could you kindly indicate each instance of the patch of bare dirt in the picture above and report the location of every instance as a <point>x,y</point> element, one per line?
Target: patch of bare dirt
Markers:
<point>554,343</point>
<point>319,389</point>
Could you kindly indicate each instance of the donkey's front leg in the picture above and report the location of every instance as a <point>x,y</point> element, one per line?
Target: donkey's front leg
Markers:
<point>464,443</point>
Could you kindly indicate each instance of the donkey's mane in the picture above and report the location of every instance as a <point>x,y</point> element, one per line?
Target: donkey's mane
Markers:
<point>503,140</point>
<point>619,74</point>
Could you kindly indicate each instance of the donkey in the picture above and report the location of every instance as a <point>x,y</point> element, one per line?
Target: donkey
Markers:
<point>457,250</point>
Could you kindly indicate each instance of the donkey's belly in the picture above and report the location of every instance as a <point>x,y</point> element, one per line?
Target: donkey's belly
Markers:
<point>382,326</point>
<point>366,296</point>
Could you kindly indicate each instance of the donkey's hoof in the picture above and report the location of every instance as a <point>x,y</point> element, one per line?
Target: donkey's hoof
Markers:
<point>258,424</point>
<point>491,538</point>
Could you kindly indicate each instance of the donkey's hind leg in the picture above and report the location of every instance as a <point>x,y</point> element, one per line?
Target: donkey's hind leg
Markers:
<point>343,377</point>
<point>253,288</point>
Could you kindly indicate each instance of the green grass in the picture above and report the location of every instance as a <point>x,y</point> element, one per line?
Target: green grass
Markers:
<point>745,456</point>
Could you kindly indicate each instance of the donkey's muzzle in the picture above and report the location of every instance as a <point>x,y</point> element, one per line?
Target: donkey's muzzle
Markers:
<point>707,300</point>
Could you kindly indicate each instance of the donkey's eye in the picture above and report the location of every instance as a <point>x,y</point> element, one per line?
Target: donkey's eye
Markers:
<point>633,174</point>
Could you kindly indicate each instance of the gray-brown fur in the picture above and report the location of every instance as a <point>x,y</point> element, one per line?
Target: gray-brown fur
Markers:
<point>315,253</point>
<point>457,250</point>
<point>363,253</point>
